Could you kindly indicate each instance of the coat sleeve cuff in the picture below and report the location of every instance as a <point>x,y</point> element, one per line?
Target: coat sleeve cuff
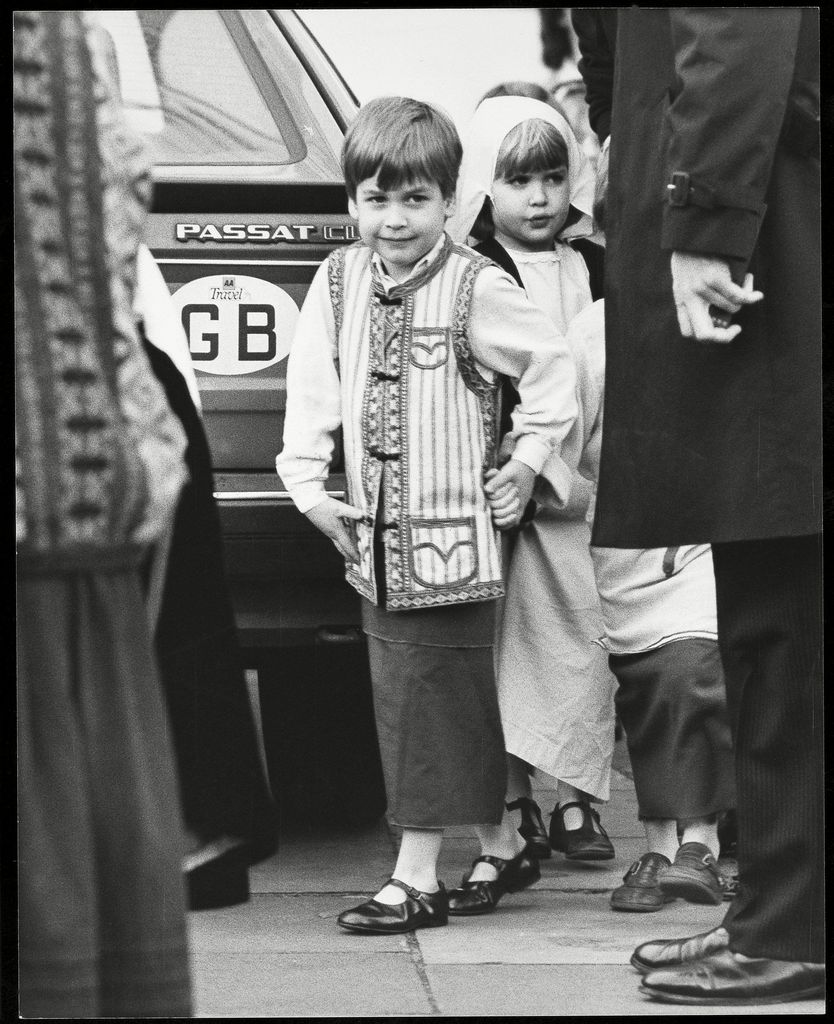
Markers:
<point>728,232</point>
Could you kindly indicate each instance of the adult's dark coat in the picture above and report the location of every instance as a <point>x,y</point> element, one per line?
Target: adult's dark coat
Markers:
<point>709,443</point>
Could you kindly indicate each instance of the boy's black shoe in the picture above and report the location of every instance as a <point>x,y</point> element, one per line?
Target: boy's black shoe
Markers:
<point>419,910</point>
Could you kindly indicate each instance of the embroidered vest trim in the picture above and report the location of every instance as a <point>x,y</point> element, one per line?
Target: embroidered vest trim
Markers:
<point>423,447</point>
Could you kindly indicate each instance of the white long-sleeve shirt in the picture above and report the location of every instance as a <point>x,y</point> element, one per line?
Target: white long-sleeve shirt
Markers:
<point>507,335</point>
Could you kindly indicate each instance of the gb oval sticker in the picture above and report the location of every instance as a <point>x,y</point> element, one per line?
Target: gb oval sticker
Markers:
<point>236,324</point>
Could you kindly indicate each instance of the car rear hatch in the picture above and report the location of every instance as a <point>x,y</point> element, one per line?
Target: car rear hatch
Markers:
<point>248,200</point>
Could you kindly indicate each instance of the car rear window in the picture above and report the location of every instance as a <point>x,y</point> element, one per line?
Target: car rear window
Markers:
<point>199,90</point>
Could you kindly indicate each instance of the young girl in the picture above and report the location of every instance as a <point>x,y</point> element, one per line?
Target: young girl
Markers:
<point>525,189</point>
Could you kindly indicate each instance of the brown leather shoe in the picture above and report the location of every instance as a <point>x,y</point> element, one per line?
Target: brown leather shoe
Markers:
<point>482,897</point>
<point>419,910</point>
<point>640,891</point>
<point>694,876</point>
<point>725,979</point>
<point>657,954</point>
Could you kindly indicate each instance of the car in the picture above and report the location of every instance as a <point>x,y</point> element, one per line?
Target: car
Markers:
<point>244,115</point>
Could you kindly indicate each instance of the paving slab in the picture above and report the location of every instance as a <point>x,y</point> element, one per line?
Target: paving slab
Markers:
<point>339,985</point>
<point>284,924</point>
<point>556,949</point>
<point>556,928</point>
<point>565,991</point>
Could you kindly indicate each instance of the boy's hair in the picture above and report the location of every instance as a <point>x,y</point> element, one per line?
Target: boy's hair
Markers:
<point>601,189</point>
<point>532,146</point>
<point>401,140</point>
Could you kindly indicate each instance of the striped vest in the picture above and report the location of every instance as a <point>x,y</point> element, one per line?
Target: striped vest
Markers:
<point>420,429</point>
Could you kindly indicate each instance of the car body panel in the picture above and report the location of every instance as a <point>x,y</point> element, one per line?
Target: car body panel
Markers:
<point>248,201</point>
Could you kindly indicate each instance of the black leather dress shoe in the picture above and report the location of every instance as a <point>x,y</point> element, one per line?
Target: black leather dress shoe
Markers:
<point>532,828</point>
<point>725,979</point>
<point>658,954</point>
<point>418,910</point>
<point>588,842</point>
<point>482,897</point>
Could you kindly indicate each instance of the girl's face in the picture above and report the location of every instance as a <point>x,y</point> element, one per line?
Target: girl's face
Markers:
<point>529,210</point>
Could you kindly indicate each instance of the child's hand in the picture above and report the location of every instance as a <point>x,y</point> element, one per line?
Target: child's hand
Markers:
<point>334,519</point>
<point>508,490</point>
<point>503,504</point>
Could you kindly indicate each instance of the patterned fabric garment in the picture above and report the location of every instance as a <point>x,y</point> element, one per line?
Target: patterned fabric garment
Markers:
<point>419,423</point>
<point>98,451</point>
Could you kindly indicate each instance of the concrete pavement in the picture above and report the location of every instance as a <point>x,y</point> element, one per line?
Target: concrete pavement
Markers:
<point>556,949</point>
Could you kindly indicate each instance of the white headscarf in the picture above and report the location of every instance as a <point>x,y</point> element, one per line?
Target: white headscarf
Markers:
<point>490,125</point>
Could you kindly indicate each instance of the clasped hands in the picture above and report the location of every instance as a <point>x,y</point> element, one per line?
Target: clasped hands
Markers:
<point>508,491</point>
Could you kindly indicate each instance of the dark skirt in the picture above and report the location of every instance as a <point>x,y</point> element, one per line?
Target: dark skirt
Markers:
<point>437,716</point>
<point>673,707</point>
<point>100,888</point>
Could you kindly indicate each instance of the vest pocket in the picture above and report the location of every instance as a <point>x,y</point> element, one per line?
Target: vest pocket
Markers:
<point>443,551</point>
<point>429,347</point>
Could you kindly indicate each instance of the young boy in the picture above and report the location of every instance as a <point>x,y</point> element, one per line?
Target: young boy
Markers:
<point>402,341</point>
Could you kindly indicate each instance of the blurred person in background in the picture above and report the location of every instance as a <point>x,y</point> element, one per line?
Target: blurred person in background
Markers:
<point>713,429</point>
<point>567,87</point>
<point>99,468</point>
<point>227,808</point>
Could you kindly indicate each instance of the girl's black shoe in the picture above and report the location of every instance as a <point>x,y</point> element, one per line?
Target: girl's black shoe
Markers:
<point>532,828</point>
<point>482,897</point>
<point>588,842</point>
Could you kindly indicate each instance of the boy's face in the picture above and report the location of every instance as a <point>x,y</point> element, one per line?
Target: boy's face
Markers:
<point>401,224</point>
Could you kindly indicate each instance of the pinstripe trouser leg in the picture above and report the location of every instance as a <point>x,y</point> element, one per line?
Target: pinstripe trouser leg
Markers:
<point>769,596</point>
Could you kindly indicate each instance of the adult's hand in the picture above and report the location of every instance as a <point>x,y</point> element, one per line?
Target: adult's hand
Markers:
<point>699,281</point>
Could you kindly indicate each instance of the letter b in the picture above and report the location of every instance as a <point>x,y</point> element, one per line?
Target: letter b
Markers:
<point>263,330</point>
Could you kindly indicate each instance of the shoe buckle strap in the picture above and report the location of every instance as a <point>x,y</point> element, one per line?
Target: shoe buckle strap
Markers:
<point>496,862</point>
<point>409,890</point>
<point>634,867</point>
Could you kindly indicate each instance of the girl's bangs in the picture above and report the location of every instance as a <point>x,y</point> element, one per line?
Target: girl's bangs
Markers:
<point>531,147</point>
